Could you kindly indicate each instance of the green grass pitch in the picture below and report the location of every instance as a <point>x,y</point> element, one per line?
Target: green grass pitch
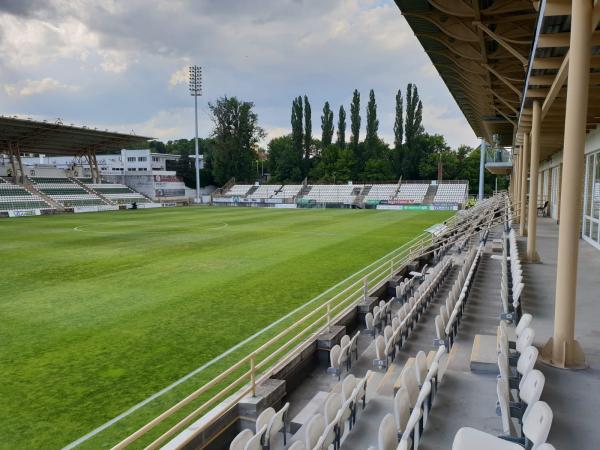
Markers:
<point>99,311</point>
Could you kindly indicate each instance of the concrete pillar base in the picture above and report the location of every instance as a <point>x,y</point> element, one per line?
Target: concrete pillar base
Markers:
<point>572,356</point>
<point>535,259</point>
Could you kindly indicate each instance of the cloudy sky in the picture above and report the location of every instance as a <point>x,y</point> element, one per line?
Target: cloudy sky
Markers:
<point>122,65</point>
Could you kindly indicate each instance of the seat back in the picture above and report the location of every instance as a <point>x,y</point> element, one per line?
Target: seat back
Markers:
<point>354,341</point>
<point>536,426</point>
<point>255,442</point>
<point>387,437</point>
<point>382,304</point>
<point>508,427</point>
<point>277,423</point>
<point>298,445</point>
<point>524,322</point>
<point>345,340</point>
<point>387,333</point>
<point>314,430</point>
<point>525,339</point>
<point>332,406</point>
<point>532,387</point>
<point>395,324</point>
<point>439,328</point>
<point>334,356</point>
<point>409,381</point>
<point>376,309</point>
<point>444,314</point>
<point>264,418</point>
<point>380,347</point>
<point>369,321</point>
<point>348,385</point>
<point>421,367</point>
<point>328,435</point>
<point>401,408</point>
<point>527,360</point>
<point>239,442</point>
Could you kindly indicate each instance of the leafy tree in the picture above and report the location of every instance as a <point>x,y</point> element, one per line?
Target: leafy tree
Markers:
<point>297,128</point>
<point>372,123</point>
<point>326,126</point>
<point>236,133</point>
<point>414,114</point>
<point>377,170</point>
<point>341,132</point>
<point>324,170</point>
<point>284,160</point>
<point>399,122</point>
<point>355,120</point>
<point>344,165</point>
<point>308,141</point>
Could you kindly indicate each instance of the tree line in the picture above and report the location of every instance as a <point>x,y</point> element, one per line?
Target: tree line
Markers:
<point>233,150</point>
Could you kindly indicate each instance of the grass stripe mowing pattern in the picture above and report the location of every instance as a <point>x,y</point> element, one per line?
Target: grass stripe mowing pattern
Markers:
<point>102,310</point>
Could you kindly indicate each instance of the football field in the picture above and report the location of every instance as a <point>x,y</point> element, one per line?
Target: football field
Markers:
<point>101,310</point>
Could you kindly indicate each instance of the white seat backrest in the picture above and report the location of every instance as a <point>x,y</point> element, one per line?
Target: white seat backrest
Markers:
<point>401,314</point>
<point>524,322</point>
<point>277,422</point>
<point>376,310</point>
<point>240,441</point>
<point>332,406</point>
<point>508,427</point>
<point>264,418</point>
<point>395,324</point>
<point>444,314</point>
<point>536,426</point>
<point>387,436</point>
<point>449,304</point>
<point>421,367</point>
<point>503,367</point>
<point>401,408</point>
<point>334,356</point>
<point>532,387</point>
<point>423,394</point>
<point>314,430</point>
<point>380,347</point>
<point>345,340</point>
<point>525,340</point>
<point>328,435</point>
<point>527,360</point>
<point>387,333</point>
<point>254,443</point>
<point>382,304</point>
<point>354,341</point>
<point>409,381</point>
<point>440,328</point>
<point>348,385</point>
<point>369,321</point>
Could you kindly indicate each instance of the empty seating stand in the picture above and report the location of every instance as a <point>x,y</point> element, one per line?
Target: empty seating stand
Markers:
<point>264,191</point>
<point>238,190</point>
<point>117,193</point>
<point>288,191</point>
<point>14,197</point>
<point>451,193</point>
<point>66,191</point>
<point>412,192</point>
<point>381,192</point>
<point>333,193</point>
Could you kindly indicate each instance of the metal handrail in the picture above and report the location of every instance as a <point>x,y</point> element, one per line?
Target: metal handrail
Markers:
<point>339,304</point>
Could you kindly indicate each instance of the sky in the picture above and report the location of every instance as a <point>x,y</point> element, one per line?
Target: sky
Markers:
<point>122,65</point>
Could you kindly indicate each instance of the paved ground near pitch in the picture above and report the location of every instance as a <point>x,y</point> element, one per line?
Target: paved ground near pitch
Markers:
<point>102,310</point>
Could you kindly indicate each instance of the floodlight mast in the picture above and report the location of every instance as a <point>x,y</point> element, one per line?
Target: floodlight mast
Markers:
<point>196,91</point>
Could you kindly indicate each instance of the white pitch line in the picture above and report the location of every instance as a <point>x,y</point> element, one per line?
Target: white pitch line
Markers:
<point>154,396</point>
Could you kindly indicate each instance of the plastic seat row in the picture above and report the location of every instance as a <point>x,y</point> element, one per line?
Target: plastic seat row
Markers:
<point>448,320</point>
<point>324,430</point>
<point>268,424</point>
<point>512,278</point>
<point>408,315</point>
<point>340,354</point>
<point>377,320</point>
<point>412,402</point>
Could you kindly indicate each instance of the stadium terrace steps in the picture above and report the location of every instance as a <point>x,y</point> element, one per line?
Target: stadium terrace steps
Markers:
<point>81,182</point>
<point>14,197</point>
<point>65,191</point>
<point>430,194</point>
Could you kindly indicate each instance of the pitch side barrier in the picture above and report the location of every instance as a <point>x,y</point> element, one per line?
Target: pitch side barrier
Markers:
<point>241,378</point>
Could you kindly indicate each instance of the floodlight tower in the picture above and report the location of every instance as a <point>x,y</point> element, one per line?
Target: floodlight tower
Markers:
<point>196,91</point>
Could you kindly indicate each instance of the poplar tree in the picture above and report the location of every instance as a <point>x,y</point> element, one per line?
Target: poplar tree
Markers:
<point>355,120</point>
<point>399,122</point>
<point>372,122</point>
<point>341,132</point>
<point>326,126</point>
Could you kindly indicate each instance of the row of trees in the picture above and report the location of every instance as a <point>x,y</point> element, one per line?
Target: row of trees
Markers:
<point>233,148</point>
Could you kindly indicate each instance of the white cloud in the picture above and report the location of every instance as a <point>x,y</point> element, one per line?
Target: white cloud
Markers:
<point>179,77</point>
<point>114,61</point>
<point>36,87</point>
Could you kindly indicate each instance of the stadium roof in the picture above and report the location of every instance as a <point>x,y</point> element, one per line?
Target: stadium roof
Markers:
<point>496,57</point>
<point>55,138</point>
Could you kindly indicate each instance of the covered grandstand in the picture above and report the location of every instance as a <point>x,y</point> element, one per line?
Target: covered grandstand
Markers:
<point>24,192</point>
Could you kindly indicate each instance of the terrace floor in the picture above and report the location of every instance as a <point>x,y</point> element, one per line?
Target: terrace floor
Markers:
<point>468,399</point>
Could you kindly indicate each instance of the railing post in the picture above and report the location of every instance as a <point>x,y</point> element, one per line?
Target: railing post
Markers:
<point>253,373</point>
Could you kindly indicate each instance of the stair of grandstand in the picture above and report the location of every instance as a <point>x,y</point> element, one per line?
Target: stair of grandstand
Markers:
<point>288,191</point>
<point>65,191</point>
<point>263,191</point>
<point>117,193</point>
<point>430,194</point>
<point>13,197</point>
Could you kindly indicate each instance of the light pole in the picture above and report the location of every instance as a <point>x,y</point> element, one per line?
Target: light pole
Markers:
<point>196,91</point>
<point>481,168</point>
